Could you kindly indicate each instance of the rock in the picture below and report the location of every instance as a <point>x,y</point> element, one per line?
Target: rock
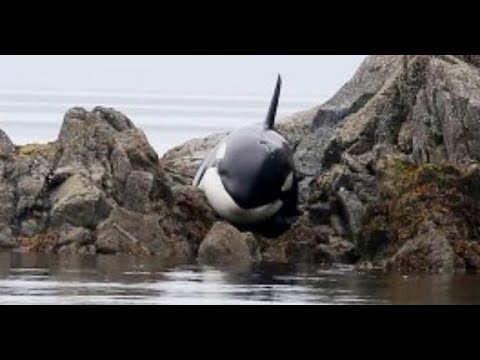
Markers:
<point>75,248</point>
<point>254,248</point>
<point>471,59</point>
<point>372,74</point>
<point>426,219</point>
<point>79,203</point>
<point>318,148</point>
<point>338,225</point>
<point>337,250</point>
<point>320,213</point>
<point>189,219</point>
<point>75,240</point>
<point>25,176</point>
<point>225,245</point>
<point>121,169</point>
<point>7,208</point>
<point>99,188</point>
<point>433,93</point>
<point>138,188</point>
<point>28,171</point>
<point>182,162</point>
<point>30,226</point>
<point>107,145</point>
<point>29,189</point>
<point>69,234</point>
<point>300,242</point>
<point>353,211</point>
<point>44,242</point>
<point>430,251</point>
<point>467,256</point>
<point>131,232</point>
<point>307,243</point>
<point>6,145</point>
<point>61,174</point>
<point>7,241</point>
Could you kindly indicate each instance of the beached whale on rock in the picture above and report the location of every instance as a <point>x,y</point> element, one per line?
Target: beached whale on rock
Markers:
<point>249,177</point>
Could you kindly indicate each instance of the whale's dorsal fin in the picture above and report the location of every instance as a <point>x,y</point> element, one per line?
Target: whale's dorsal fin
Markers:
<point>272,112</point>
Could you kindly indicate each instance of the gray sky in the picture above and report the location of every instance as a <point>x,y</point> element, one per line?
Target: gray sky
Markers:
<point>303,75</point>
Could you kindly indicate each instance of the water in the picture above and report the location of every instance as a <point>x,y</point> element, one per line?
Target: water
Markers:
<point>169,120</point>
<point>102,280</point>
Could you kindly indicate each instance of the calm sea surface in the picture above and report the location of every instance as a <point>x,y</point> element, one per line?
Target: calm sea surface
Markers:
<point>168,120</point>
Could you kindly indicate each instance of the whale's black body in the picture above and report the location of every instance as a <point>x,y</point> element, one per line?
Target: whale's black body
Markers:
<point>249,178</point>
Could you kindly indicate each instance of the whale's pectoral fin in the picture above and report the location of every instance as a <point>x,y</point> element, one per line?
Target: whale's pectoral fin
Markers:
<point>272,112</point>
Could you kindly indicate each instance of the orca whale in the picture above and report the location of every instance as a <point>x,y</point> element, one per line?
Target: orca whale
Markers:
<point>249,178</point>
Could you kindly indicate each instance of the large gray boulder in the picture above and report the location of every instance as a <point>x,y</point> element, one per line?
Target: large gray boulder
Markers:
<point>225,245</point>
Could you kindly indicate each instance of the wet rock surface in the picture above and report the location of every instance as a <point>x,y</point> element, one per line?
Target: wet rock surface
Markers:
<point>389,178</point>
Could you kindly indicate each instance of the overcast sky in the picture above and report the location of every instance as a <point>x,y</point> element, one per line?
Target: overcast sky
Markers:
<point>303,75</point>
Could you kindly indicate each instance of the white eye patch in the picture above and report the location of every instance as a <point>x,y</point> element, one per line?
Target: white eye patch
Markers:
<point>287,185</point>
<point>222,150</point>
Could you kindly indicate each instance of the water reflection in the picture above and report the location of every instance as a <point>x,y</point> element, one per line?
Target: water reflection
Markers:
<point>40,279</point>
<point>435,290</point>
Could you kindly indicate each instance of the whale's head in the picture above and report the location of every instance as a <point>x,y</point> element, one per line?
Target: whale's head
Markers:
<point>255,166</point>
<point>250,175</point>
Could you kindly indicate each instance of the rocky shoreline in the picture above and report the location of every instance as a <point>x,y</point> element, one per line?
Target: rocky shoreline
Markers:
<point>389,169</point>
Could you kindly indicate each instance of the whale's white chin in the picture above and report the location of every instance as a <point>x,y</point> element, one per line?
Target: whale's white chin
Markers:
<point>225,206</point>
